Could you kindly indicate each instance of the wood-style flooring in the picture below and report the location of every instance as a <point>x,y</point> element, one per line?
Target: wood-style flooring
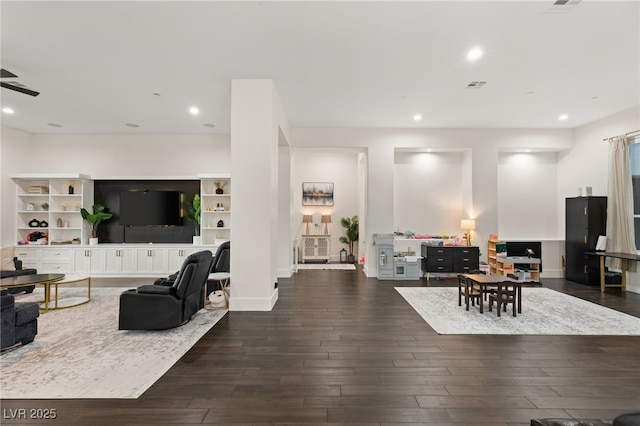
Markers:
<point>339,348</point>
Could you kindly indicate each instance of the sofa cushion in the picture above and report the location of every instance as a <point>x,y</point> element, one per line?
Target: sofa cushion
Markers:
<point>26,311</point>
<point>6,259</point>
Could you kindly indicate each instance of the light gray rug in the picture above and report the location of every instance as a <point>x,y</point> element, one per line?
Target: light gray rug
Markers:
<point>340,266</point>
<point>80,353</point>
<point>544,311</point>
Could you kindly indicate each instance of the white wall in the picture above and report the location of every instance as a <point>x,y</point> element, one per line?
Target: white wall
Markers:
<point>527,196</point>
<point>339,166</point>
<point>428,192</point>
<point>15,156</point>
<point>128,155</point>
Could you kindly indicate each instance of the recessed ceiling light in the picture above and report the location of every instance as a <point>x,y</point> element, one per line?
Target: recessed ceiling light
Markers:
<point>209,125</point>
<point>132,125</point>
<point>417,117</point>
<point>194,111</point>
<point>54,125</point>
<point>7,110</point>
<point>474,54</point>
<point>563,117</point>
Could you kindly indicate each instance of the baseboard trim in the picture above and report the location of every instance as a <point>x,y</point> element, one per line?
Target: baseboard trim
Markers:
<point>253,303</point>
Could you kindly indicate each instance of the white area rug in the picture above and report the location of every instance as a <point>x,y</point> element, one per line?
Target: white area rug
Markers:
<point>80,353</point>
<point>342,266</point>
<point>544,311</point>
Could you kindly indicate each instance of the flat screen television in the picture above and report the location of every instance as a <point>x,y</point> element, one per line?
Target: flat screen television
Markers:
<point>147,208</point>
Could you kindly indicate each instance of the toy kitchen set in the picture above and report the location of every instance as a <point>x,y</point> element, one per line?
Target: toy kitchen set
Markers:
<point>393,263</point>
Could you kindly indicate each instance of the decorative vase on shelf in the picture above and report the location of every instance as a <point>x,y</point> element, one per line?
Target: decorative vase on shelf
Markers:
<point>197,240</point>
<point>93,241</point>
<point>219,191</point>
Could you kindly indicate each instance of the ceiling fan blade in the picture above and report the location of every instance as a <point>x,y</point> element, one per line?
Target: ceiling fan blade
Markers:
<point>19,89</point>
<point>7,74</point>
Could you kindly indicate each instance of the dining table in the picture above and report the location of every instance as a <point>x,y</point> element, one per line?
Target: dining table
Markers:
<point>485,282</point>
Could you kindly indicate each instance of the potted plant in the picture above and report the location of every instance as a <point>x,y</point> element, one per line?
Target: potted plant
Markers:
<point>94,219</point>
<point>193,214</point>
<point>352,232</point>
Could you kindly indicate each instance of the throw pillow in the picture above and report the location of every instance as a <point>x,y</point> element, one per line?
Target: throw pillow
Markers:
<point>7,259</point>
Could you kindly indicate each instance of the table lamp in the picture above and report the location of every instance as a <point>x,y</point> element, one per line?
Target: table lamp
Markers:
<point>326,219</point>
<point>468,225</point>
<point>307,218</point>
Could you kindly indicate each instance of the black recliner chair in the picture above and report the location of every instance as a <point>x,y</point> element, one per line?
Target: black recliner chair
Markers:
<point>159,307</point>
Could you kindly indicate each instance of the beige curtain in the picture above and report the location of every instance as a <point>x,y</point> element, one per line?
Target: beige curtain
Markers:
<point>620,230</point>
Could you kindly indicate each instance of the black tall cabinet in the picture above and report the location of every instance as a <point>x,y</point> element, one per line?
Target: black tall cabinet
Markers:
<point>586,219</point>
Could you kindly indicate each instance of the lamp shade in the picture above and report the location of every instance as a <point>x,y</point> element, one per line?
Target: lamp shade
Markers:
<point>307,218</point>
<point>326,218</point>
<point>468,224</point>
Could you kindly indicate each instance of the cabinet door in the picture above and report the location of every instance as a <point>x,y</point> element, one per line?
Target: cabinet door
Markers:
<point>28,255</point>
<point>120,260</point>
<point>322,247</point>
<point>88,260</point>
<point>308,248</point>
<point>152,260</point>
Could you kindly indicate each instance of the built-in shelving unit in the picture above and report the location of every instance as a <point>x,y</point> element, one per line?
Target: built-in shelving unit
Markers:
<point>50,204</point>
<point>215,195</point>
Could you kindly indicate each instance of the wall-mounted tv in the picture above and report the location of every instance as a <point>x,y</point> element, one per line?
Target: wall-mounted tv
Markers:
<point>146,208</point>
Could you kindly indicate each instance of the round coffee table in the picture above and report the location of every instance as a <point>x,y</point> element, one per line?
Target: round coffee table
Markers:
<point>33,279</point>
<point>68,302</point>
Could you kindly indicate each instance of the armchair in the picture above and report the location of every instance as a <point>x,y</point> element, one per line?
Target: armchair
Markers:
<point>158,307</point>
<point>19,321</point>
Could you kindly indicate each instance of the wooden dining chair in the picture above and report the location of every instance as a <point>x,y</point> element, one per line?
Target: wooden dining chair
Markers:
<point>468,291</point>
<point>504,294</point>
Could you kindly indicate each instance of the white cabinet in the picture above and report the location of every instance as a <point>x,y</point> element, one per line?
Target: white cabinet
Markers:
<point>50,205</point>
<point>151,260</point>
<point>315,247</point>
<point>30,256</point>
<point>88,260</point>
<point>108,260</point>
<point>120,260</point>
<point>46,259</point>
<point>56,260</point>
<point>215,195</point>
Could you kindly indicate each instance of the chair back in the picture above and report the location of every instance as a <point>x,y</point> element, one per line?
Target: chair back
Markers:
<point>191,280</point>
<point>222,258</point>
<point>193,274</point>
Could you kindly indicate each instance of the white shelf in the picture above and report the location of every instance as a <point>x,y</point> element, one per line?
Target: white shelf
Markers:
<point>55,189</point>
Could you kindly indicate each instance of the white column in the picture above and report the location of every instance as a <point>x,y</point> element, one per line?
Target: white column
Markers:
<point>254,170</point>
<point>379,209</point>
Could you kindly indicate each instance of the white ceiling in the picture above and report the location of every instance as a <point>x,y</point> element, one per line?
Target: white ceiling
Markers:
<point>334,64</point>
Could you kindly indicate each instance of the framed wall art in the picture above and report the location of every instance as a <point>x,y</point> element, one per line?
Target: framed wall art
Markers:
<point>317,193</point>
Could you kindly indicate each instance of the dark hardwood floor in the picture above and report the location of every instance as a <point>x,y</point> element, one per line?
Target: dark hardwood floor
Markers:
<point>339,348</point>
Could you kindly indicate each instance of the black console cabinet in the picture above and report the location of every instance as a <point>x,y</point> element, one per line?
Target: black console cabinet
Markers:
<point>586,219</point>
<point>459,260</point>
